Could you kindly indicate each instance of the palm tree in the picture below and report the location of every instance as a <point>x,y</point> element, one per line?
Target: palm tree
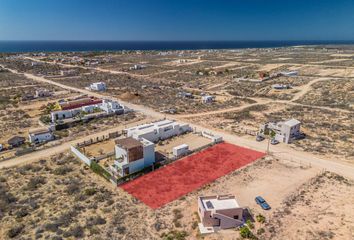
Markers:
<point>271,134</point>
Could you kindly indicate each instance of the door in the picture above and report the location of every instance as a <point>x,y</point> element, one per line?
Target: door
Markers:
<point>216,222</point>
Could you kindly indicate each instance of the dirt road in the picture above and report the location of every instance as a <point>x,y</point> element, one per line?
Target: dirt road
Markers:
<point>40,154</point>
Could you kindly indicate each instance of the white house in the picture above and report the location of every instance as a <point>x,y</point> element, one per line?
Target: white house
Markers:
<point>64,114</point>
<point>133,155</point>
<point>290,73</point>
<point>284,131</point>
<point>42,93</point>
<point>98,86</point>
<point>137,67</point>
<point>207,99</point>
<point>280,86</point>
<point>40,135</point>
<point>219,212</point>
<point>110,106</point>
<point>156,131</point>
<point>214,138</point>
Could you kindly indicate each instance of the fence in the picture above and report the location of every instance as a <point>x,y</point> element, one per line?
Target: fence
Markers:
<point>99,139</point>
<point>172,159</point>
<point>24,151</point>
<point>81,156</point>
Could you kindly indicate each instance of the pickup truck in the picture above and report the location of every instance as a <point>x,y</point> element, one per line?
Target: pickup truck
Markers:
<point>260,201</point>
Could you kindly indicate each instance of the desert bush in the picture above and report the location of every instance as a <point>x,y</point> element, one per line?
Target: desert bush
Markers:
<point>260,218</point>
<point>29,167</point>
<point>177,215</point>
<point>260,231</point>
<point>35,182</point>
<point>96,220</point>
<point>174,235</point>
<point>194,225</point>
<point>250,224</point>
<point>245,232</point>
<point>22,212</point>
<point>62,170</point>
<point>76,231</point>
<point>15,230</point>
<point>90,191</point>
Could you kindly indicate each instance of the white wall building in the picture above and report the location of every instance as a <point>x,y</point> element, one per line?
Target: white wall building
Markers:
<point>180,150</point>
<point>284,131</point>
<point>207,99</point>
<point>158,130</point>
<point>98,86</point>
<point>219,212</point>
<point>133,155</point>
<point>42,93</point>
<point>137,67</point>
<point>40,135</point>
<point>110,106</point>
<point>290,73</point>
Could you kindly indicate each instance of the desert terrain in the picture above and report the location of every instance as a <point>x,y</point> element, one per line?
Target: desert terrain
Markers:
<point>49,194</point>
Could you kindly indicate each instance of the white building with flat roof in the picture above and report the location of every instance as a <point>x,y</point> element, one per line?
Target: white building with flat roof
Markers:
<point>207,99</point>
<point>39,135</point>
<point>180,150</point>
<point>160,130</point>
<point>98,86</point>
<point>110,106</point>
<point>219,212</point>
<point>285,131</point>
<point>132,155</point>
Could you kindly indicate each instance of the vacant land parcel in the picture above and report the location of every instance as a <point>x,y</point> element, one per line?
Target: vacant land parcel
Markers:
<point>177,179</point>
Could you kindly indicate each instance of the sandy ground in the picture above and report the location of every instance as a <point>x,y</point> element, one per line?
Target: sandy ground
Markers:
<point>194,141</point>
<point>322,208</point>
<point>270,67</point>
<point>100,148</point>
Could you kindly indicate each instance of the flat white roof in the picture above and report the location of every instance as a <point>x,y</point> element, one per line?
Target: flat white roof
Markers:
<point>144,128</point>
<point>146,142</point>
<point>219,204</point>
<point>181,146</point>
<point>292,122</point>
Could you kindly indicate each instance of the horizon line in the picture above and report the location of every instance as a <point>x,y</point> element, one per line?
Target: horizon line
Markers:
<point>88,40</point>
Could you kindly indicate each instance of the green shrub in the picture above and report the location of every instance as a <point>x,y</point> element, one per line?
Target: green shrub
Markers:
<point>62,170</point>
<point>260,218</point>
<point>260,231</point>
<point>194,225</point>
<point>245,232</point>
<point>250,224</point>
<point>100,170</point>
<point>90,191</point>
<point>174,235</point>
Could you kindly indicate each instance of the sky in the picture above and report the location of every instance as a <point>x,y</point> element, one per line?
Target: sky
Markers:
<point>177,20</point>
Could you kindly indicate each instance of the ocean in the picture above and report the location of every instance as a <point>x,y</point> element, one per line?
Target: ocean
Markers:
<point>76,46</point>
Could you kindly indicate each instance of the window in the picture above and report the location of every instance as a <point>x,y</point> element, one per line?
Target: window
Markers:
<point>236,217</point>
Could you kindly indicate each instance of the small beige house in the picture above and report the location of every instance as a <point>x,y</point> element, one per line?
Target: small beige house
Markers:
<point>219,212</point>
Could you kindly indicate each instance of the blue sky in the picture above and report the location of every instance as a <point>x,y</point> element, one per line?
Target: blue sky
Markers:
<point>177,20</point>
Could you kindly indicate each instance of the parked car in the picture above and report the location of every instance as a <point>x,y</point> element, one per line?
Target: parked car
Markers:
<point>1,147</point>
<point>260,201</point>
<point>274,142</point>
<point>259,138</point>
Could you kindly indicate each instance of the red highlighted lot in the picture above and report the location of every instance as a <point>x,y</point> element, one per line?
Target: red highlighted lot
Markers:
<point>168,183</point>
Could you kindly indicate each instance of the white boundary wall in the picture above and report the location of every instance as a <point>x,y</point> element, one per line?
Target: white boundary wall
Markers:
<point>214,138</point>
<point>81,156</point>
